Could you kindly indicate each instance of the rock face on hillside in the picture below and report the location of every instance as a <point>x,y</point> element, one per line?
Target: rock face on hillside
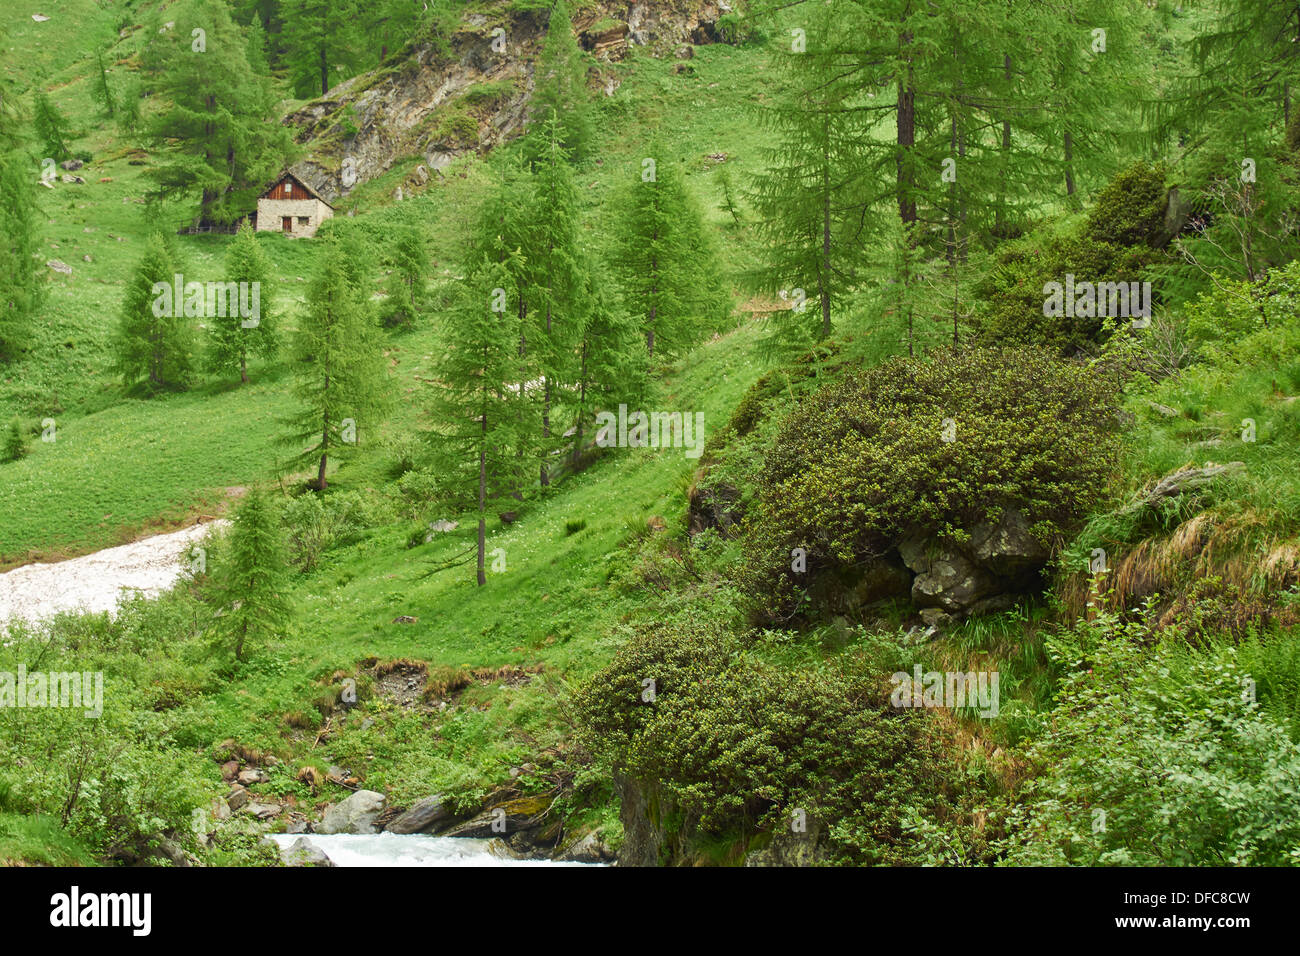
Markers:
<point>418,107</point>
<point>1001,559</point>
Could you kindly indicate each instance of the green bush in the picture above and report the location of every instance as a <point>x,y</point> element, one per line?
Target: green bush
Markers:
<point>862,463</point>
<point>1130,211</point>
<point>1156,757</point>
<point>1011,294</point>
<point>738,744</point>
<point>15,443</point>
<point>316,524</point>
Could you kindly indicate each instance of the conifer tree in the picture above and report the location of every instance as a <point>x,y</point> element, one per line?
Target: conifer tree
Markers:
<point>552,280</point>
<point>318,35</point>
<point>484,434</point>
<point>611,356</point>
<point>253,589</point>
<point>103,92</point>
<point>665,261</point>
<point>219,133</point>
<point>21,281</point>
<point>51,128</point>
<point>342,380</point>
<point>411,262</point>
<point>809,201</point>
<point>154,338</point>
<point>560,93</point>
<point>234,336</point>
<point>15,443</point>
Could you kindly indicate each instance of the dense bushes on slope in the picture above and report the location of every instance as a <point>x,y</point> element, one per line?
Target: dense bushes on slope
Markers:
<point>1159,756</point>
<point>1114,243</point>
<point>737,745</point>
<point>931,447</point>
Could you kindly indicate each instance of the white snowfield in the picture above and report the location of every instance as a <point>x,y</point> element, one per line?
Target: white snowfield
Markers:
<point>96,582</point>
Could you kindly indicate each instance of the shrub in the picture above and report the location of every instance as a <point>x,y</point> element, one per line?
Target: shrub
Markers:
<point>1156,757</point>
<point>862,463</point>
<point>15,443</point>
<point>316,524</point>
<point>1012,293</point>
<point>1130,211</point>
<point>737,744</point>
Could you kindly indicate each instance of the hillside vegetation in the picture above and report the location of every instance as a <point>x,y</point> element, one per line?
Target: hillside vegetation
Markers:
<point>877,464</point>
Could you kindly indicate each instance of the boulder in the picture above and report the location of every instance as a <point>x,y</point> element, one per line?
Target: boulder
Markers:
<point>1001,559</point>
<point>590,849</point>
<point>302,852</point>
<point>263,811</point>
<point>945,577</point>
<point>791,848</point>
<point>522,813</point>
<point>249,777</point>
<point>423,816</point>
<point>237,797</point>
<point>356,814</point>
<point>1007,547</point>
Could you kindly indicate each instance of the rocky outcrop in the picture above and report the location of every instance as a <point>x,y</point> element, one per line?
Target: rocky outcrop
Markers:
<point>356,814</point>
<point>415,107</point>
<point>1001,559</point>
<point>426,815</point>
<point>588,849</point>
<point>791,847</point>
<point>508,817</point>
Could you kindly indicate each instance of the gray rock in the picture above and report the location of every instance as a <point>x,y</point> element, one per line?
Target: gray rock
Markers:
<point>423,816</point>
<point>945,578</point>
<point>249,777</point>
<point>356,814</point>
<point>522,813</point>
<point>1007,547</point>
<point>58,265</point>
<point>790,848</point>
<point>302,852</point>
<point>237,798</point>
<point>263,811</point>
<point>172,851</point>
<point>590,849</point>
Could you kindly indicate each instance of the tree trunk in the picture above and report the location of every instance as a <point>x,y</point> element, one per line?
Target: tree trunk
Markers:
<point>1069,164</point>
<point>823,281</point>
<point>482,501</point>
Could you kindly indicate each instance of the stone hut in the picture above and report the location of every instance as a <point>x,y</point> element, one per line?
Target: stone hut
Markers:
<point>292,207</point>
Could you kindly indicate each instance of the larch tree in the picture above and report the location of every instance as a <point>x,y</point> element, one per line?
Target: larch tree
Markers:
<point>21,279</point>
<point>318,36</point>
<point>249,325</point>
<point>560,93</point>
<point>664,259</point>
<point>553,280</point>
<point>252,592</point>
<point>219,133</point>
<point>481,434</point>
<point>342,380</point>
<point>154,340</point>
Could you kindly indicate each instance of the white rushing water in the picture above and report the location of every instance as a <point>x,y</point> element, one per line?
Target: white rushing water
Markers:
<point>417,849</point>
<point>96,582</point>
